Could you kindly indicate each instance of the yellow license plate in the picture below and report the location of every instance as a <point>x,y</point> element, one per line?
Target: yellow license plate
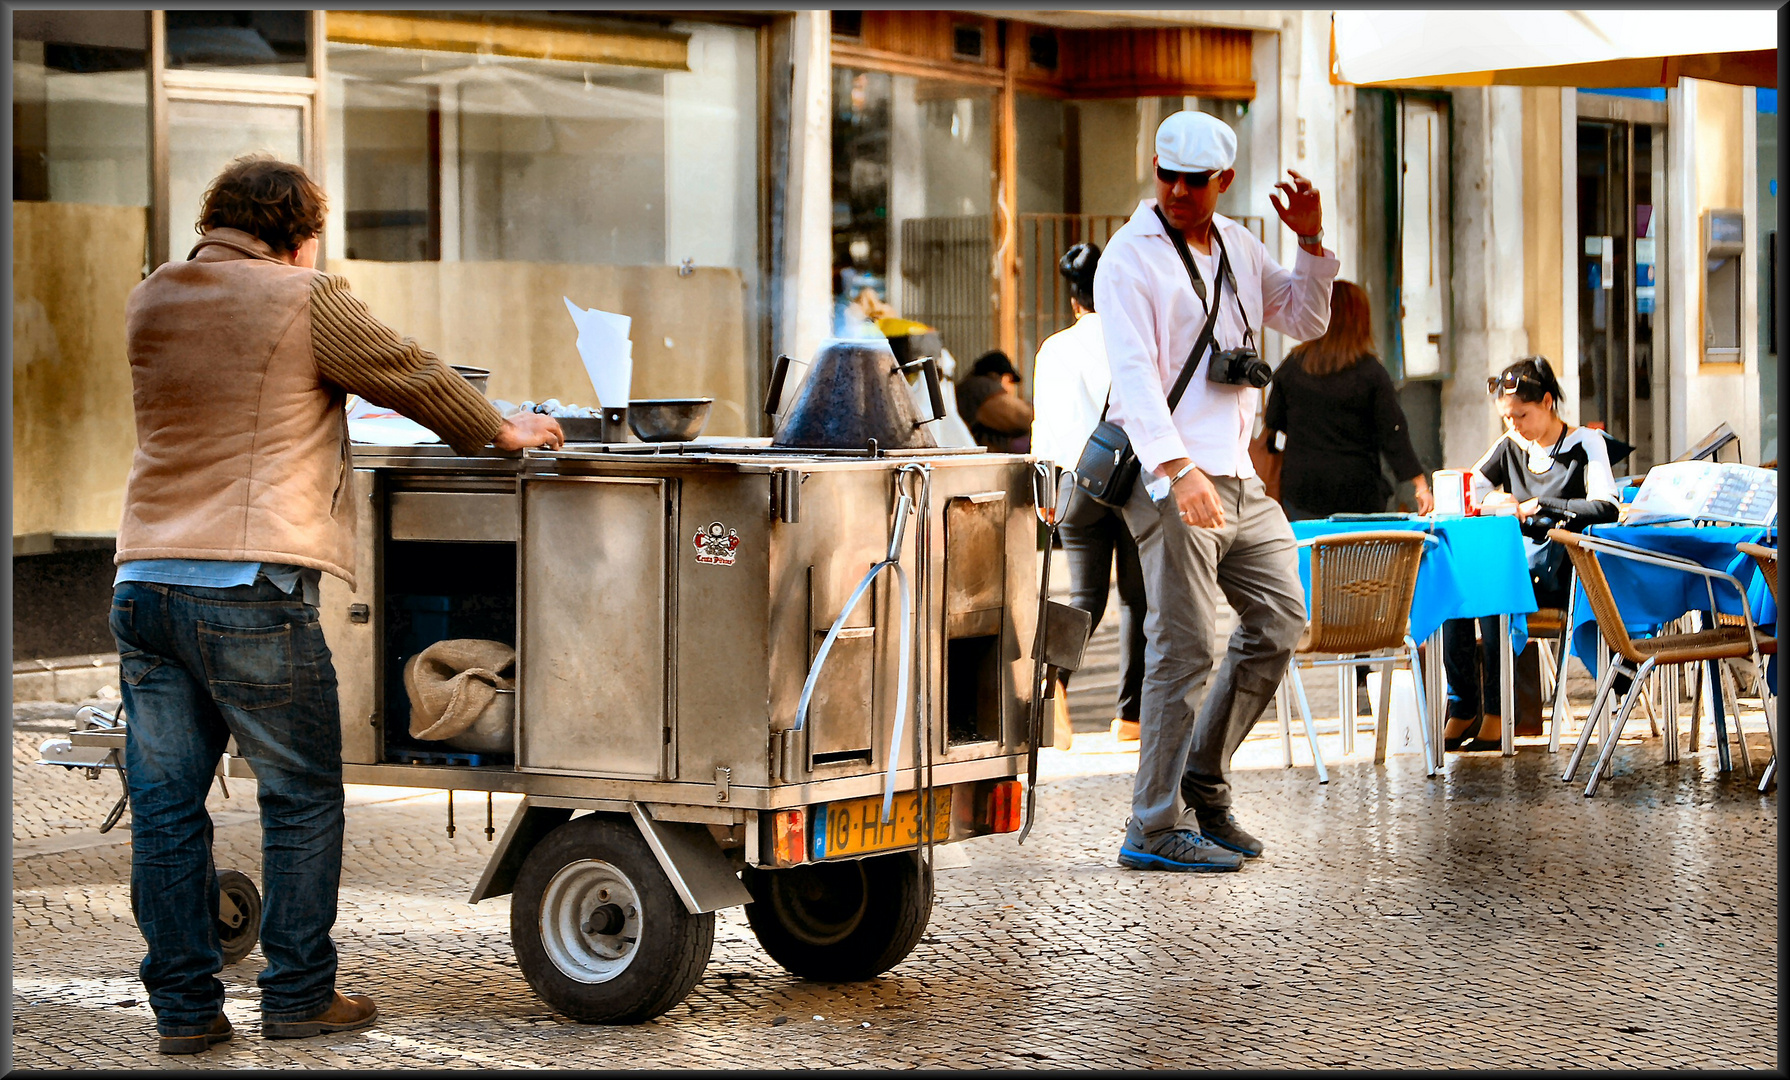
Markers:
<point>856,826</point>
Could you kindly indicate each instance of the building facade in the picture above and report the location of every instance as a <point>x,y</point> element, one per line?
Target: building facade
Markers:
<point>735,182</point>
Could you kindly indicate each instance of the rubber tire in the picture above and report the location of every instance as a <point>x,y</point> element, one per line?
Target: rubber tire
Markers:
<point>892,898</point>
<point>670,958</point>
<point>239,941</point>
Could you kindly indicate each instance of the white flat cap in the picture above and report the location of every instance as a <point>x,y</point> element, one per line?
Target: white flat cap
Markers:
<point>1191,141</point>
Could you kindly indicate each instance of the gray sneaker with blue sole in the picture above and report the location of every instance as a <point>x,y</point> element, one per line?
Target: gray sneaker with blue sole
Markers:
<point>1179,851</point>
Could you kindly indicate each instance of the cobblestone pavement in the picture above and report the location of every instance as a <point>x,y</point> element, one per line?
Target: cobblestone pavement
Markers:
<point>1489,917</point>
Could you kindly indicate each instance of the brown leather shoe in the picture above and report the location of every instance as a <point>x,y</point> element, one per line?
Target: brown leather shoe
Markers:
<point>345,1013</point>
<point>1125,730</point>
<point>220,1031</point>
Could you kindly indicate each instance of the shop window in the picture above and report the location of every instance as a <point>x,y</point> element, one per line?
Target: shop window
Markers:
<point>452,155</point>
<point>613,161</point>
<point>259,42</point>
<point>848,24</point>
<point>1042,49</point>
<point>80,107</point>
<point>966,42</point>
<point>913,223</point>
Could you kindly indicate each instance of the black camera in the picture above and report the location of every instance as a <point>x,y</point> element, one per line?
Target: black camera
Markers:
<point>1239,367</point>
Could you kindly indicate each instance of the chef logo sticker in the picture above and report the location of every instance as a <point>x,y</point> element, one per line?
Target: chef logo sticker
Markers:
<point>716,545</point>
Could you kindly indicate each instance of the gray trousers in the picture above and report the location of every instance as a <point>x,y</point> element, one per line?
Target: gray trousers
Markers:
<point>1192,720</point>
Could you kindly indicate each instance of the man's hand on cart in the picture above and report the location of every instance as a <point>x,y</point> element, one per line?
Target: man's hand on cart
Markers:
<point>529,429</point>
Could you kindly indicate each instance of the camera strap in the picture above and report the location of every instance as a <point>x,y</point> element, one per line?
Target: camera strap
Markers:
<point>1224,272</point>
<point>1199,346</point>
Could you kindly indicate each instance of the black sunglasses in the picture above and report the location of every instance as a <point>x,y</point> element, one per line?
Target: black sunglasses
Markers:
<point>1510,382</point>
<point>1191,179</point>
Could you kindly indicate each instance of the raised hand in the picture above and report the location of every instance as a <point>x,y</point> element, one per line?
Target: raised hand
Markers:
<point>1302,212</point>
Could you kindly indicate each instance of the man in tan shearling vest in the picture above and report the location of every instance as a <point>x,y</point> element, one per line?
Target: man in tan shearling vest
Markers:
<point>241,358</point>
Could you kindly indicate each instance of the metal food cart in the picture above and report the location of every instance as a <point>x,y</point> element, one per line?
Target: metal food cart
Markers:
<point>746,675</point>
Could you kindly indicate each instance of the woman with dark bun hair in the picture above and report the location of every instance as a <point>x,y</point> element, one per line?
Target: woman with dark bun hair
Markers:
<point>1551,475</point>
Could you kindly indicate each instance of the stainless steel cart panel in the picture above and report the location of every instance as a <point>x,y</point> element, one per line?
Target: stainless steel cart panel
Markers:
<point>592,632</point>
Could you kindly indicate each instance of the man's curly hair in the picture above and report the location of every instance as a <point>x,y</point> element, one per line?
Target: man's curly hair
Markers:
<point>267,198</point>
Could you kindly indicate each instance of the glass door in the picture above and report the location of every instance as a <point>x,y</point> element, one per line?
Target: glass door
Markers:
<point>1622,371</point>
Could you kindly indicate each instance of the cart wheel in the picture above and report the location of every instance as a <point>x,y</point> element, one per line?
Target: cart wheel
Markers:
<point>840,921</point>
<point>239,914</point>
<point>597,928</point>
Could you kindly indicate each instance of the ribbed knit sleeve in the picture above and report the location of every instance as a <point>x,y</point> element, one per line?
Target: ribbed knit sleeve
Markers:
<point>364,356</point>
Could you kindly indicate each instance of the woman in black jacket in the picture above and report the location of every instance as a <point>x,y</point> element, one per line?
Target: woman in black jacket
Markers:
<point>1340,415</point>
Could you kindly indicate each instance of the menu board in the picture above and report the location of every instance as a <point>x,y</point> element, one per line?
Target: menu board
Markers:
<point>1706,491</point>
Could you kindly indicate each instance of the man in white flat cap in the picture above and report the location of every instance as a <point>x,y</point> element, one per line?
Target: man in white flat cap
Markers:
<point>1203,523</point>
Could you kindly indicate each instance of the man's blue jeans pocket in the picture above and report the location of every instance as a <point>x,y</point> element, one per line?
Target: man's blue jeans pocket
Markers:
<point>248,667</point>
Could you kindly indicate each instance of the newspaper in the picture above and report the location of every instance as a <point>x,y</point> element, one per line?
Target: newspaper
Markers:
<point>1706,491</point>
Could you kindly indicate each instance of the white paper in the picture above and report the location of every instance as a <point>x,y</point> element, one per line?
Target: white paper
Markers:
<point>390,431</point>
<point>380,426</point>
<point>607,353</point>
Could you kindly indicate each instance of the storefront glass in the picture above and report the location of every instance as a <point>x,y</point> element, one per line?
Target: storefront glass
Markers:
<point>1769,295</point>
<point>203,137</point>
<point>617,165</point>
<point>459,156</point>
<point>913,191</point>
<point>255,42</point>
<point>80,107</point>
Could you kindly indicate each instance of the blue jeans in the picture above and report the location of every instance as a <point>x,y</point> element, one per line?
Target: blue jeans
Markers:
<point>199,665</point>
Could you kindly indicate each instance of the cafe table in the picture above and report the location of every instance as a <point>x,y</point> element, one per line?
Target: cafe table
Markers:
<point>1649,596</point>
<point>1477,568</point>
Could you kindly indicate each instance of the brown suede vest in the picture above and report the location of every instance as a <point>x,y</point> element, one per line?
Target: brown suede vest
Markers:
<point>242,446</point>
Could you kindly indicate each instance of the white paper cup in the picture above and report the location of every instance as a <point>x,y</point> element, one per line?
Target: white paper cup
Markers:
<point>1450,489</point>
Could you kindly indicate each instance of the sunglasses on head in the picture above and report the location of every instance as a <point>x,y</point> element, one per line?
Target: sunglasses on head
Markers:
<point>1191,179</point>
<point>1510,382</point>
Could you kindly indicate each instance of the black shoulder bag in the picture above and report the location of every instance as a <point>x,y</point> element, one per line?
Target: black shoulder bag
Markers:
<point>1104,475</point>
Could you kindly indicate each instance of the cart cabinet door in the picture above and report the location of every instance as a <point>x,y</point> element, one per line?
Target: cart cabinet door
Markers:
<point>592,652</point>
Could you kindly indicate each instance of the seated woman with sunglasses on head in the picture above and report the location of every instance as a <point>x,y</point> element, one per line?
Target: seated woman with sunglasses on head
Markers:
<point>1551,475</point>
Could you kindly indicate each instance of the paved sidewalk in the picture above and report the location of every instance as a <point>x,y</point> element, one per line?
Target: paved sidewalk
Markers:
<point>1489,917</point>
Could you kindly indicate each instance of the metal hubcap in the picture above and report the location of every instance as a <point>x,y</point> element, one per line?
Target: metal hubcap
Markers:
<point>590,921</point>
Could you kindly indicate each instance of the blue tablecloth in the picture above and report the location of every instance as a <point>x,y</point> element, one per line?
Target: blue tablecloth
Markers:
<point>1649,596</point>
<point>1477,568</point>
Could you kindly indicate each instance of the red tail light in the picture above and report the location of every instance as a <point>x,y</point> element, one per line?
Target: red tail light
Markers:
<point>1004,806</point>
<point>789,836</point>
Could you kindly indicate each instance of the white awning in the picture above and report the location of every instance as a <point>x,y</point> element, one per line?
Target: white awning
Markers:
<point>1552,48</point>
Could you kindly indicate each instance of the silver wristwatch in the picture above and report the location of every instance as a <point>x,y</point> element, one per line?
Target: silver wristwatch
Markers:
<point>1315,240</point>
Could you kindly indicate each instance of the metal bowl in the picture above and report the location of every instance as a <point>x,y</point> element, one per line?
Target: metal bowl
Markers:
<point>668,419</point>
<point>479,377</point>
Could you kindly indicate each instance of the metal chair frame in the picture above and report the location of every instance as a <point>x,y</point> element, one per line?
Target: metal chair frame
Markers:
<point>1387,657</point>
<point>1627,660</point>
<point>1767,559</point>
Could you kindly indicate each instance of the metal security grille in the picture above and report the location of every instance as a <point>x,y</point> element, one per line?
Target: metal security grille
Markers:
<point>1043,294</point>
<point>946,265</point>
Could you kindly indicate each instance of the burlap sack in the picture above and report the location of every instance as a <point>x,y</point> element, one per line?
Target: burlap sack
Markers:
<point>451,682</point>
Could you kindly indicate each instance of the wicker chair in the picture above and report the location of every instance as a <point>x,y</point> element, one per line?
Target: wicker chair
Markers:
<point>1361,590</point>
<point>1637,657</point>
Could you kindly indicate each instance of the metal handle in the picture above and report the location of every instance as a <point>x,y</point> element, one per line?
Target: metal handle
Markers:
<point>774,395</point>
<point>903,506</point>
<point>1044,491</point>
<point>935,391</point>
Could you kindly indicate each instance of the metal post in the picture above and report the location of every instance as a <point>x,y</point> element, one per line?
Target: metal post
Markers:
<point>1507,694</point>
<point>1436,696</point>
